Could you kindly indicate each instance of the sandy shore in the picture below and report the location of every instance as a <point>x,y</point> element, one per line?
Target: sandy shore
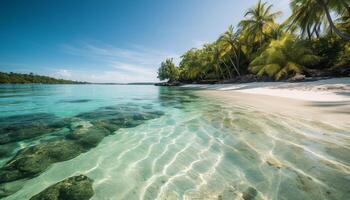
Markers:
<point>326,101</point>
<point>336,89</point>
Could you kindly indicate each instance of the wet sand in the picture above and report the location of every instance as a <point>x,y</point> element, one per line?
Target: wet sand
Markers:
<point>336,113</point>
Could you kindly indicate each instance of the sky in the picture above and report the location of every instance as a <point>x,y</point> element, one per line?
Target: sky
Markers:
<point>107,41</point>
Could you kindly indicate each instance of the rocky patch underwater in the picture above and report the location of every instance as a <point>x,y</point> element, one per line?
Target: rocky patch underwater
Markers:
<point>146,142</point>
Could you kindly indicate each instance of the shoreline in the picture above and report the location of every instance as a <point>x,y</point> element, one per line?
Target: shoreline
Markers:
<point>333,89</point>
<point>326,101</point>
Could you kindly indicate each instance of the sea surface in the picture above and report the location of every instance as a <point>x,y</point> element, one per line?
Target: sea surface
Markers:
<point>168,143</point>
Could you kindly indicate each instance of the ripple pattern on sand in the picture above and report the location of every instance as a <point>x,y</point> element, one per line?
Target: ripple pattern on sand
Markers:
<point>209,151</point>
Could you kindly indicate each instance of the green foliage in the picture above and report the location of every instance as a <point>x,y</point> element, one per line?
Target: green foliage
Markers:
<point>212,54</point>
<point>259,22</point>
<point>168,70</point>
<point>343,58</point>
<point>31,78</point>
<point>343,22</point>
<point>231,50</point>
<point>307,16</point>
<point>195,65</point>
<point>264,47</point>
<point>310,15</point>
<point>282,58</point>
<point>328,48</point>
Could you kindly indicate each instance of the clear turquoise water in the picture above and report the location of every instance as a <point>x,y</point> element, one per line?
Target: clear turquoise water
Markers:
<point>199,149</point>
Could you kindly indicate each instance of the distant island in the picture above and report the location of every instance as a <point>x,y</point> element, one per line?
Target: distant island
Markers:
<point>32,78</point>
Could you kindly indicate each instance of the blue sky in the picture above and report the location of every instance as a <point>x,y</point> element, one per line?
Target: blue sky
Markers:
<point>110,40</point>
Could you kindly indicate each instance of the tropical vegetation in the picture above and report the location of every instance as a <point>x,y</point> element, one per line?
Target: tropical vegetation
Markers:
<point>168,70</point>
<point>313,41</point>
<point>32,78</point>
<point>283,57</point>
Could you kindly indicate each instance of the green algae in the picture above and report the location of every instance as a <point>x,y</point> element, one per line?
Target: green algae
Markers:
<point>73,188</point>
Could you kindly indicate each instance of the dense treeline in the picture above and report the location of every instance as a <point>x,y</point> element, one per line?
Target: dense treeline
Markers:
<point>32,78</point>
<point>308,43</point>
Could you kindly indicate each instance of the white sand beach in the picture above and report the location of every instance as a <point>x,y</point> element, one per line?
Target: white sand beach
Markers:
<point>325,100</point>
<point>335,89</point>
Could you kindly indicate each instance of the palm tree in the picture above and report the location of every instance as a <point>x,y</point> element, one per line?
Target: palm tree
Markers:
<point>336,5</point>
<point>277,31</point>
<point>309,20</point>
<point>230,45</point>
<point>213,57</point>
<point>283,57</point>
<point>311,14</point>
<point>259,20</point>
<point>188,65</point>
<point>194,65</point>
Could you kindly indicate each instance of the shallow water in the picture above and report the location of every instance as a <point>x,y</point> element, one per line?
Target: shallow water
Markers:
<point>197,148</point>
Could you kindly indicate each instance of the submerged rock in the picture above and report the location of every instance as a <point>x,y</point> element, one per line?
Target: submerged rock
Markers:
<point>273,162</point>
<point>87,131</point>
<point>7,189</point>
<point>175,98</point>
<point>250,194</point>
<point>75,101</point>
<point>88,138</point>
<point>73,188</point>
<point>21,127</point>
<point>114,117</point>
<point>31,161</point>
<point>7,149</point>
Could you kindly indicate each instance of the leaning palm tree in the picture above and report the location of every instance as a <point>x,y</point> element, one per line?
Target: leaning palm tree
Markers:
<point>282,58</point>
<point>230,45</point>
<point>309,15</point>
<point>307,19</point>
<point>258,20</point>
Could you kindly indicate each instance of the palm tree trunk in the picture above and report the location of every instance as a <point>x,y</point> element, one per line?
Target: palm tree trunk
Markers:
<point>329,18</point>
<point>238,57</point>
<point>308,32</point>
<point>228,69</point>
<point>315,30</point>
<point>317,34</point>
<point>222,73</point>
<point>234,66</point>
<point>239,54</point>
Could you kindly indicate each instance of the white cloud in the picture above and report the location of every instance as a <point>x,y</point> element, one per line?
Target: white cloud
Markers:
<point>104,76</point>
<point>112,77</point>
<point>63,73</point>
<point>134,69</point>
<point>137,64</point>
